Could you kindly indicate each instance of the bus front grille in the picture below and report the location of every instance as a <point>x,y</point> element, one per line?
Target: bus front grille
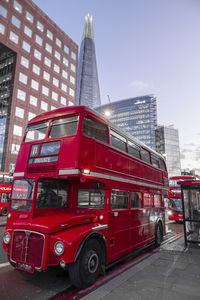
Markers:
<point>28,247</point>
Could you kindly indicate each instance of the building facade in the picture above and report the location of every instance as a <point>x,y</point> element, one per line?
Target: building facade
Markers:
<point>88,92</point>
<point>38,71</point>
<point>167,144</point>
<point>137,116</point>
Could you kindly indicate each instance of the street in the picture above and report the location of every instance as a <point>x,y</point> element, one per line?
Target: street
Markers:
<point>54,282</point>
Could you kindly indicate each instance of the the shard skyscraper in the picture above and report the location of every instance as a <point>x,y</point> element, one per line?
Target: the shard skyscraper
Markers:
<point>88,92</point>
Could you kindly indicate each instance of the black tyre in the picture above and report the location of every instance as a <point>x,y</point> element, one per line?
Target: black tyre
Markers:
<point>86,269</point>
<point>4,211</point>
<point>159,234</point>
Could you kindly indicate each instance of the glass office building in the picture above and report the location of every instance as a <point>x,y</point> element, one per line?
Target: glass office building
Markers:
<point>38,72</point>
<point>88,92</point>
<point>137,116</point>
<point>167,144</point>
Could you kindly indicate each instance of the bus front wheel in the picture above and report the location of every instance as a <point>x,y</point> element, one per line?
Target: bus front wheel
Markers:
<point>86,269</point>
<point>159,234</point>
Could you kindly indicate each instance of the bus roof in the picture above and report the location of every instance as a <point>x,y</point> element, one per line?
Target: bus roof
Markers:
<point>61,112</point>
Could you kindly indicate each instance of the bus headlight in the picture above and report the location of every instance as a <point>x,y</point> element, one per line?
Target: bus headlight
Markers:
<point>6,238</point>
<point>59,248</point>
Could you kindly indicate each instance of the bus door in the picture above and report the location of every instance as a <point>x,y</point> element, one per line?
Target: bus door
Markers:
<point>119,224</point>
<point>136,219</point>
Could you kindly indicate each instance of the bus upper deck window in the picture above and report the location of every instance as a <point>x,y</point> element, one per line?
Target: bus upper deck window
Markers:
<point>36,132</point>
<point>64,127</point>
<point>95,129</point>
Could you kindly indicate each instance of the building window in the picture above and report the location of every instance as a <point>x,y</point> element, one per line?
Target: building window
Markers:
<point>47,62</point>
<point>21,95</point>
<point>23,78</point>
<point>19,112</point>
<point>64,74</point>
<point>17,130</point>
<point>55,82</point>
<point>72,79</point>
<point>15,149</point>
<point>65,61</point>
<point>15,21</point>
<point>50,35</point>
<point>54,96</point>
<point>40,26</point>
<point>34,84</point>
<point>3,11</point>
<point>45,91</point>
<point>64,87</point>
<point>71,92</point>
<point>17,6</point>
<point>28,31</point>
<point>26,46</point>
<point>36,69</point>
<point>33,100</point>
<point>73,68</point>
<point>2,29</point>
<point>48,48</point>
<point>29,17</point>
<point>37,54</point>
<point>46,76</point>
<point>70,103</point>
<point>13,37</point>
<point>38,40</point>
<point>56,68</point>
<point>53,107</point>
<point>58,43</point>
<point>24,62</point>
<point>73,55</point>
<point>57,55</point>
<point>31,116</point>
<point>66,49</point>
<point>63,100</point>
<point>44,105</point>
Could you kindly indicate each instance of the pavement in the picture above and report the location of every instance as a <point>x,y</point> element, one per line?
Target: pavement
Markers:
<point>3,220</point>
<point>171,273</point>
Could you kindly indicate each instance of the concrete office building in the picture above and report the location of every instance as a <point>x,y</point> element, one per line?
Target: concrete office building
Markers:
<point>88,92</point>
<point>167,144</point>
<point>38,71</point>
<point>137,116</point>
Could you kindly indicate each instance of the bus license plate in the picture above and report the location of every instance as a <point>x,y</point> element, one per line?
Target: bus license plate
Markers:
<point>25,267</point>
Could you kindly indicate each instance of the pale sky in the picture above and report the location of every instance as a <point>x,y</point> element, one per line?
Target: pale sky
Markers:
<point>144,47</point>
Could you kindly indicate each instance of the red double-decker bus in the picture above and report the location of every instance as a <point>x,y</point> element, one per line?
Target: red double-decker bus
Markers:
<point>175,210</point>
<point>5,191</point>
<point>84,195</point>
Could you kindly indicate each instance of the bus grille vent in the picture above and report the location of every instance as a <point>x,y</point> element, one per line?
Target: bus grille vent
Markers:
<point>28,247</point>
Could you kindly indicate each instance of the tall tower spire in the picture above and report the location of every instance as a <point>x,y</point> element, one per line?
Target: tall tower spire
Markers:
<point>88,92</point>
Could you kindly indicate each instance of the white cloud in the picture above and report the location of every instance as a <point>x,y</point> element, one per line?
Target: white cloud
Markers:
<point>139,84</point>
